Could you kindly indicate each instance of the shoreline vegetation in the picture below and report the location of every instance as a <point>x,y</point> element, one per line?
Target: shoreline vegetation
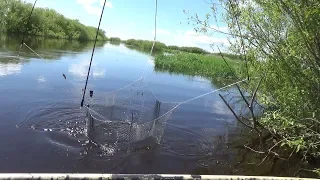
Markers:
<point>287,67</point>
<point>279,41</point>
<point>208,66</point>
<point>43,22</point>
<point>48,23</point>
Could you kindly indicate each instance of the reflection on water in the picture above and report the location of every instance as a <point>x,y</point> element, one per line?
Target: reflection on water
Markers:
<point>80,70</point>
<point>10,69</point>
<point>47,48</point>
<point>41,121</point>
<point>41,79</point>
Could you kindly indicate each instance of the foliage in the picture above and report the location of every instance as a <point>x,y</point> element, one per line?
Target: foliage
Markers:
<point>188,49</point>
<point>201,65</point>
<point>14,16</point>
<point>279,39</point>
<point>115,39</point>
<point>145,45</point>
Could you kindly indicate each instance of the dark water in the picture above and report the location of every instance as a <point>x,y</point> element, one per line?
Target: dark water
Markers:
<point>38,107</point>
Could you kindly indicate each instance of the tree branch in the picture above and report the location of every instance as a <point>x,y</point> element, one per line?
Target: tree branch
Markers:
<point>235,115</point>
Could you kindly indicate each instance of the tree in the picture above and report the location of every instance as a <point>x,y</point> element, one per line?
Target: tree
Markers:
<point>14,17</point>
<point>280,41</point>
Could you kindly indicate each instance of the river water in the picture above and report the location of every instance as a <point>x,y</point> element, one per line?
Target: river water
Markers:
<point>38,104</point>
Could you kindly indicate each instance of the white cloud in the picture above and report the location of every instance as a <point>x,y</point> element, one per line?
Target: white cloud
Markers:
<point>94,6</point>
<point>108,3</point>
<point>41,3</point>
<point>191,38</point>
<point>9,69</point>
<point>204,39</point>
<point>162,32</point>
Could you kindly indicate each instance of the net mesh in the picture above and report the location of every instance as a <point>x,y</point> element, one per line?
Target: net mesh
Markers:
<point>128,116</point>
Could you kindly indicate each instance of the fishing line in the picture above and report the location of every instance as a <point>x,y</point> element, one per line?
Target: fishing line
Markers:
<point>94,47</point>
<point>65,77</point>
<point>32,51</point>
<point>154,37</point>
<point>26,31</point>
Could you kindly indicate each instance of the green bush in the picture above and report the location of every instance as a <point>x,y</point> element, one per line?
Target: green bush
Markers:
<point>43,22</point>
<point>145,45</point>
<point>115,39</point>
<point>280,39</point>
<point>189,49</point>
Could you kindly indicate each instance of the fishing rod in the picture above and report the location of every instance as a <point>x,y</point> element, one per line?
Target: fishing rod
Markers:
<point>26,31</point>
<point>94,47</point>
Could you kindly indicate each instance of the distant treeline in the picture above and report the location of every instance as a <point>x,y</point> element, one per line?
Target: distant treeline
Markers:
<point>114,40</point>
<point>145,45</point>
<point>43,22</point>
<point>159,46</point>
<point>188,49</point>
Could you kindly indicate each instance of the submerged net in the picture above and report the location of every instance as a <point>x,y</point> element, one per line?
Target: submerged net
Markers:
<point>128,118</point>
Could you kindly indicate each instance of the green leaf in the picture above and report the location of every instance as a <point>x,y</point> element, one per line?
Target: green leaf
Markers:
<point>298,148</point>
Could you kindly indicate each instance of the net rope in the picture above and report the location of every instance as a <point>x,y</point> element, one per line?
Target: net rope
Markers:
<point>133,113</point>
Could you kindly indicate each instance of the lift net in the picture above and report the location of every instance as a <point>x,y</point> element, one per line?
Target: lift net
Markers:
<point>128,118</point>
<point>122,121</point>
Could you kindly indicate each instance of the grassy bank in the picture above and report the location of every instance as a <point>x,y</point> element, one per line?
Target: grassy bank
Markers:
<point>209,66</point>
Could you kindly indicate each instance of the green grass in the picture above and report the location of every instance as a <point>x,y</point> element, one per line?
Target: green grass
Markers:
<point>209,66</point>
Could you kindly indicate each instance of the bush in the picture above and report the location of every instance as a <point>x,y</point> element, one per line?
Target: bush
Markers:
<point>145,45</point>
<point>115,39</point>
<point>43,22</point>
<point>189,49</point>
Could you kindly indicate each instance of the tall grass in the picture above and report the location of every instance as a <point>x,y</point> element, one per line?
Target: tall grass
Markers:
<point>211,67</point>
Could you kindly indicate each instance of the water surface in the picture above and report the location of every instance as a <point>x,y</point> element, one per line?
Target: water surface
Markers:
<point>41,118</point>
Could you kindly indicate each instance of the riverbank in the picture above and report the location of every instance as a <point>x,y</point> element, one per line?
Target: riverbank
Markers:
<point>209,66</point>
<point>145,45</point>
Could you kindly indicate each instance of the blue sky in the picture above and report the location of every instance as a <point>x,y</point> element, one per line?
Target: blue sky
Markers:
<point>135,19</point>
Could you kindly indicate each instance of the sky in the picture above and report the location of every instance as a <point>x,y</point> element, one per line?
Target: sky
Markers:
<point>135,19</point>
